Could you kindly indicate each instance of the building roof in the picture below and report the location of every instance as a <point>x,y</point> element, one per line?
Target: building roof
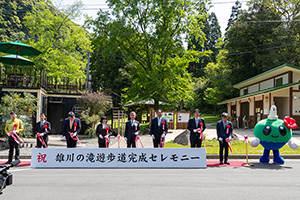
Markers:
<point>260,92</point>
<point>270,73</point>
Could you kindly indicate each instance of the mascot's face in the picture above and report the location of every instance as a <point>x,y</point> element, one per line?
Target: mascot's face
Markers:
<point>272,131</point>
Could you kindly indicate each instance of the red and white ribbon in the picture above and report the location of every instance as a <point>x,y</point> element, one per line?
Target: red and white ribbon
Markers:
<point>135,124</point>
<point>15,126</point>
<point>201,133</point>
<point>75,125</point>
<point>42,140</point>
<point>162,143</point>
<point>107,138</point>
<point>45,127</point>
<point>120,139</point>
<point>19,138</point>
<point>15,136</point>
<point>15,139</point>
<point>137,138</point>
<point>246,139</point>
<point>76,138</point>
<point>163,123</point>
<point>107,141</point>
<point>2,140</point>
<point>228,142</point>
<point>228,127</point>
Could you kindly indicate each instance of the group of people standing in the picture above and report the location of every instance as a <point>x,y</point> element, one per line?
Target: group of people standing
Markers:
<point>14,127</point>
<point>196,126</point>
<point>158,132</point>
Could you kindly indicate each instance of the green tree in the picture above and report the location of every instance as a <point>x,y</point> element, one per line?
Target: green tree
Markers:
<point>64,44</point>
<point>197,95</point>
<point>220,86</point>
<point>215,35</point>
<point>289,12</point>
<point>25,106</point>
<point>150,34</point>
<point>212,33</point>
<point>288,9</point>
<point>254,47</point>
<point>201,82</point>
<point>235,12</point>
<point>94,105</point>
<point>110,73</point>
<point>11,18</point>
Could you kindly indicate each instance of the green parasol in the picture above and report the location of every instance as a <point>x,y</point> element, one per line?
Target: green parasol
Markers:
<point>18,48</point>
<point>15,60</point>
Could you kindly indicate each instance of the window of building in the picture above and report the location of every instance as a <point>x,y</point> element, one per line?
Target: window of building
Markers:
<point>245,91</point>
<point>279,81</point>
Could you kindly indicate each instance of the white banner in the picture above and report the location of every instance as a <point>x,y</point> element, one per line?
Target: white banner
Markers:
<point>118,158</point>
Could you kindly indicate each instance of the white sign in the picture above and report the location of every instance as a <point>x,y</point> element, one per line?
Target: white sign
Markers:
<point>118,158</point>
<point>183,117</point>
<point>168,116</point>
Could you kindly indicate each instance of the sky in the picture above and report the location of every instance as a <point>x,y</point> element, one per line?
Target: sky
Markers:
<point>222,8</point>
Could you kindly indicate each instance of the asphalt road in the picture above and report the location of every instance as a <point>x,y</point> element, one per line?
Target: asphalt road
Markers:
<point>263,181</point>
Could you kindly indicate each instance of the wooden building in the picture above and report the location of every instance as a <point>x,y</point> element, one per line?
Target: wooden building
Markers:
<point>56,96</point>
<point>279,86</point>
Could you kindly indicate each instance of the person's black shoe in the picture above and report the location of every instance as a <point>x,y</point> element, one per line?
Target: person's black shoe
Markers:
<point>227,163</point>
<point>7,163</point>
<point>221,162</point>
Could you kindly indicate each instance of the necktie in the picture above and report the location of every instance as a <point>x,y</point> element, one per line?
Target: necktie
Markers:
<point>158,121</point>
<point>71,124</point>
<point>131,123</point>
<point>42,124</point>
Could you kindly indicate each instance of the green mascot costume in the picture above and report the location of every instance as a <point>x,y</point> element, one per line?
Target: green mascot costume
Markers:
<point>273,133</point>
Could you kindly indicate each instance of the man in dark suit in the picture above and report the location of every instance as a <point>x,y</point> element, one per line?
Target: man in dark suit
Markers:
<point>158,129</point>
<point>70,131</point>
<point>42,131</point>
<point>224,131</point>
<point>194,126</point>
<point>132,129</point>
<point>101,132</point>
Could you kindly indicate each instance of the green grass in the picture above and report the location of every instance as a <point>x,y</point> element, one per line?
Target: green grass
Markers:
<point>238,147</point>
<point>210,118</point>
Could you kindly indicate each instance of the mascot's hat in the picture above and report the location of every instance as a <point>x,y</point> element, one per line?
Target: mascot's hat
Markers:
<point>273,113</point>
